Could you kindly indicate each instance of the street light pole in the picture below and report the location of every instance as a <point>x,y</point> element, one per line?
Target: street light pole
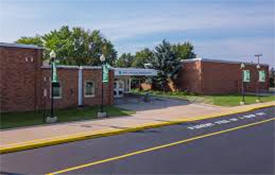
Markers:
<point>52,118</point>
<point>102,89</point>
<point>52,112</point>
<point>242,79</point>
<point>101,113</point>
<point>258,82</point>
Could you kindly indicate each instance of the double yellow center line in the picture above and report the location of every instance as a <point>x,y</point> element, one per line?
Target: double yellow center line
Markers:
<point>158,147</point>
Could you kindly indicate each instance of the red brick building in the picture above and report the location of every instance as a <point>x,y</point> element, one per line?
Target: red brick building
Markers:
<point>209,76</point>
<point>25,82</point>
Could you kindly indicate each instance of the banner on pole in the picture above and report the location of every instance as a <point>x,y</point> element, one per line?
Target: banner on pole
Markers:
<point>105,77</point>
<point>246,76</point>
<point>54,76</point>
<point>262,76</point>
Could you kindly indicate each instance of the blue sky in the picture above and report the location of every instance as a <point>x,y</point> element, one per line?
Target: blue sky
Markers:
<point>218,29</point>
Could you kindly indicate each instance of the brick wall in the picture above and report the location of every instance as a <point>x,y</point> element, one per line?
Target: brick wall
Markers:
<point>190,78</point>
<point>25,85</point>
<point>68,78</point>
<point>218,78</point>
<point>19,70</point>
<point>205,77</point>
<point>95,76</point>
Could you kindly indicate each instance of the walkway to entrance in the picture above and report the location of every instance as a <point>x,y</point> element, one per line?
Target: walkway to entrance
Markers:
<point>137,102</point>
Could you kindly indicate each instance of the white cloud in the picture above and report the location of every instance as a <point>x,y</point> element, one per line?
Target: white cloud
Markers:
<point>122,26</point>
<point>211,18</point>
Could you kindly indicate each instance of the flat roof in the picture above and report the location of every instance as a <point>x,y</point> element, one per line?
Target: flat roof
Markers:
<point>71,67</point>
<point>218,61</point>
<point>25,46</point>
<point>117,71</point>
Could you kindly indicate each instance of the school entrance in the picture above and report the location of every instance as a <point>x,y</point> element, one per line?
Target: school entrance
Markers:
<point>123,76</point>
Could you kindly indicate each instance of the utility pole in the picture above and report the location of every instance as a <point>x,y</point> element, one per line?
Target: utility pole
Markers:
<point>258,56</point>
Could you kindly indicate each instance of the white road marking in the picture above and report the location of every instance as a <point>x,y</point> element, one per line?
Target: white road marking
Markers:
<point>205,125</point>
<point>260,113</point>
<point>233,119</point>
<point>225,121</point>
<point>219,122</point>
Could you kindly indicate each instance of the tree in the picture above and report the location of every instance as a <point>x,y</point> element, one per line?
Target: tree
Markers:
<point>184,51</point>
<point>77,46</point>
<point>168,65</point>
<point>37,40</point>
<point>142,57</point>
<point>125,60</point>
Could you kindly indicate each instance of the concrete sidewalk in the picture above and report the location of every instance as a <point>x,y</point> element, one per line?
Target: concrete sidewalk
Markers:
<point>49,133</point>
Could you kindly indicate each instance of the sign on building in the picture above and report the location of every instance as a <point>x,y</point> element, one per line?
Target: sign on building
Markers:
<point>135,72</point>
<point>262,76</point>
<point>246,76</point>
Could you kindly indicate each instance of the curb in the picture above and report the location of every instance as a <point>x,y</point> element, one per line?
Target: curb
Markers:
<point>109,132</point>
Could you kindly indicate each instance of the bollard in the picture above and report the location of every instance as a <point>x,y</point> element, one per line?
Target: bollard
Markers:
<point>146,97</point>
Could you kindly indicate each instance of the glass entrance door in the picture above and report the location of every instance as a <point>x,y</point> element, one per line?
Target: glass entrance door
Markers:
<point>118,88</point>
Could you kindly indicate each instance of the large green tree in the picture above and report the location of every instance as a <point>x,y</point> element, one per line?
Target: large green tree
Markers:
<point>166,62</point>
<point>36,40</point>
<point>77,46</point>
<point>184,51</point>
<point>142,57</point>
<point>125,60</point>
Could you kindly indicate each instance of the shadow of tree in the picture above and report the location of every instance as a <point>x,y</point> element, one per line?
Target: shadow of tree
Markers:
<point>9,173</point>
<point>137,103</point>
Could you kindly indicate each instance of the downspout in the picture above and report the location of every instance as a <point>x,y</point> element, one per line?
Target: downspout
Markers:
<point>80,87</point>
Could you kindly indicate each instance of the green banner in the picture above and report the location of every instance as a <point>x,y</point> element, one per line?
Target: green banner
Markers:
<point>54,75</point>
<point>261,76</point>
<point>246,76</point>
<point>105,77</point>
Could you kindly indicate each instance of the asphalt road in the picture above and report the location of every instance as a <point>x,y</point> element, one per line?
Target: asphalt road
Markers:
<point>235,144</point>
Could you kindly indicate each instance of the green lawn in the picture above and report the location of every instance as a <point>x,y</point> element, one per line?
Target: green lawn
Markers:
<point>220,100</point>
<point>17,119</point>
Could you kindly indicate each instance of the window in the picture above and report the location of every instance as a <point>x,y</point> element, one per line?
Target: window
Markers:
<point>89,90</point>
<point>57,91</point>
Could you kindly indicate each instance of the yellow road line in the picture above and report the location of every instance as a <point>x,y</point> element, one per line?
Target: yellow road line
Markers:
<point>158,147</point>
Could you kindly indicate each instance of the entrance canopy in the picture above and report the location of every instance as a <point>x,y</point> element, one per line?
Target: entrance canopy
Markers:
<point>135,72</point>
<point>122,84</point>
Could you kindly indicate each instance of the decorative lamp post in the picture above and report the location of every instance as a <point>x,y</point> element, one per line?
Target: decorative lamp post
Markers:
<point>52,118</point>
<point>101,113</point>
<point>242,74</point>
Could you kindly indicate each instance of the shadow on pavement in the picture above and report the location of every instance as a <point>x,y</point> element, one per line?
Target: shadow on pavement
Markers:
<point>9,173</point>
<point>147,131</point>
<point>138,102</point>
